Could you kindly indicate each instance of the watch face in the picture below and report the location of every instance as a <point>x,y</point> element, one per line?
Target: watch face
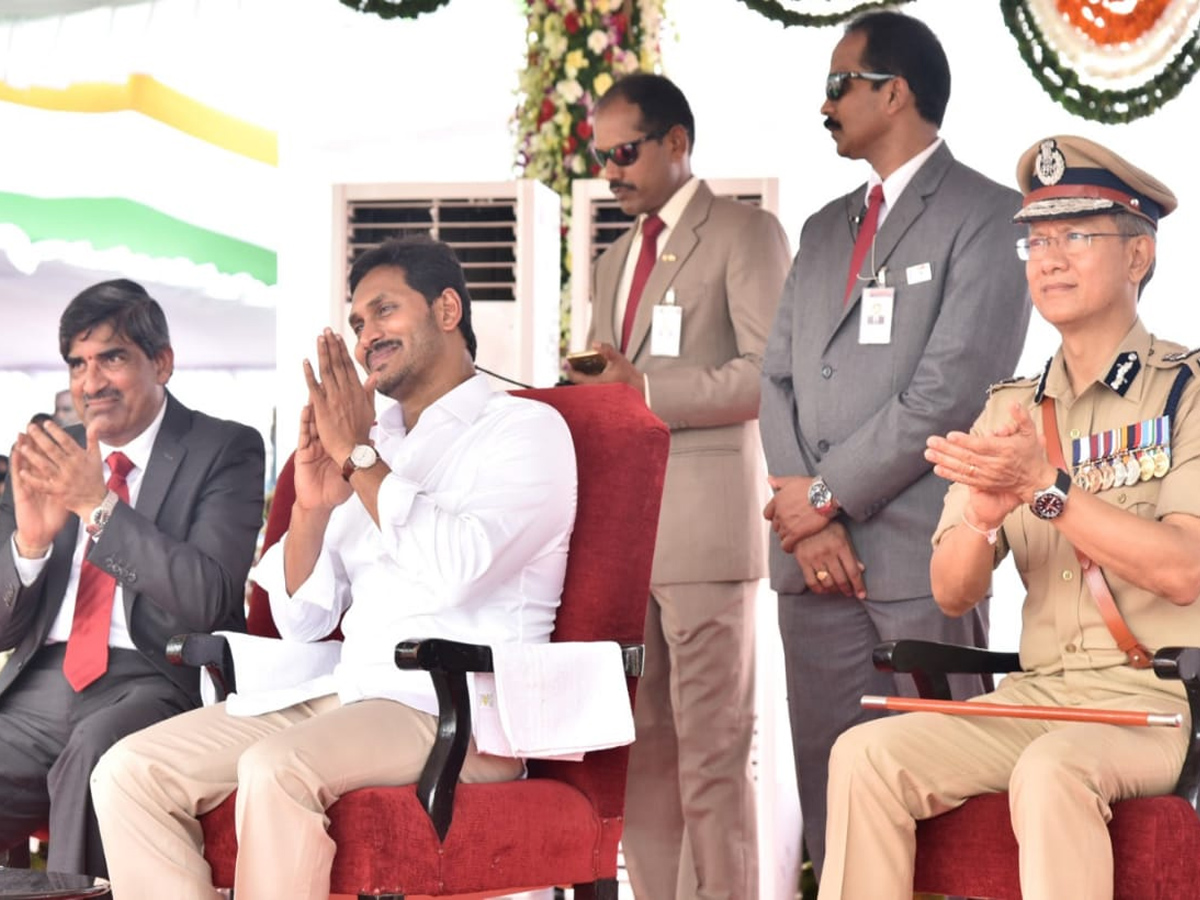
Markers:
<point>1048,504</point>
<point>363,456</point>
<point>819,494</point>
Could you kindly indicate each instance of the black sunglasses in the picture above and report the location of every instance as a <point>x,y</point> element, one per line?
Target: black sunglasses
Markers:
<point>835,82</point>
<point>623,154</point>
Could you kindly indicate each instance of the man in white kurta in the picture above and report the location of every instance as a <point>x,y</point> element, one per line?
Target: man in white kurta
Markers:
<point>448,517</point>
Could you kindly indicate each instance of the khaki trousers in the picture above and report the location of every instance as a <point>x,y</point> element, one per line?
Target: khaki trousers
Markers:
<point>1061,778</point>
<point>689,805</point>
<point>287,768</point>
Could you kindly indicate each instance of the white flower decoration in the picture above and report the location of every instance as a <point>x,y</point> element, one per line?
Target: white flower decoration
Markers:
<point>597,41</point>
<point>570,90</point>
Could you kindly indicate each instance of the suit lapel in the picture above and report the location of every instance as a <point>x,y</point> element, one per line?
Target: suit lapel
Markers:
<point>165,459</point>
<point>608,282</point>
<point>671,258</point>
<point>907,210</point>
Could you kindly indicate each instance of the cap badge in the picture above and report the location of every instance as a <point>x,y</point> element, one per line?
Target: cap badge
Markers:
<point>1050,165</point>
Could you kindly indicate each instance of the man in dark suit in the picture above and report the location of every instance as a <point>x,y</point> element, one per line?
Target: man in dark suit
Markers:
<point>903,304</point>
<point>681,305</point>
<point>96,575</point>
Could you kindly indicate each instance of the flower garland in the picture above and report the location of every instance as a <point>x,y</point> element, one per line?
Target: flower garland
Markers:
<point>1102,63</point>
<point>773,9</point>
<point>393,9</point>
<point>576,48</point>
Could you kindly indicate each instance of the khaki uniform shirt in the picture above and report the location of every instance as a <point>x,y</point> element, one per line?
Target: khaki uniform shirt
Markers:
<point>1061,626</point>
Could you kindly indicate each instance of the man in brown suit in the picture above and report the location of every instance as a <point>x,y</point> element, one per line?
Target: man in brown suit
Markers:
<point>682,304</point>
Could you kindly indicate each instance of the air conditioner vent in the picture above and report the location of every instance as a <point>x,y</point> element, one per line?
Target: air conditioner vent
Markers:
<point>483,233</point>
<point>506,234</point>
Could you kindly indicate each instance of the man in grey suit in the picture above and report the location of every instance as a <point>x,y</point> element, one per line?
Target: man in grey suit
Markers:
<point>96,576</point>
<point>871,352</point>
<point>681,306</point>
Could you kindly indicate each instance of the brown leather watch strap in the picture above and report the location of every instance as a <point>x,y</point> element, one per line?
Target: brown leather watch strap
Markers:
<point>1137,654</point>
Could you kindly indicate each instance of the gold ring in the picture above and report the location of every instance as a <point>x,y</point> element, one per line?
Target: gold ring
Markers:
<point>822,574</point>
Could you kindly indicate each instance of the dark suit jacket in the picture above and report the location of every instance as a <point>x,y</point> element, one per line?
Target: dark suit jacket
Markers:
<point>182,555</point>
<point>726,262</point>
<point>859,414</point>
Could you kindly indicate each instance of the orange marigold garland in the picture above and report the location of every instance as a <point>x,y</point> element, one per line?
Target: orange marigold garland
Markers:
<point>1106,22</point>
<point>1108,60</point>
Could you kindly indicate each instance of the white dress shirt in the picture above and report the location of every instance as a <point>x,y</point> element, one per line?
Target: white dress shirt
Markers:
<point>670,214</point>
<point>895,183</point>
<point>475,520</point>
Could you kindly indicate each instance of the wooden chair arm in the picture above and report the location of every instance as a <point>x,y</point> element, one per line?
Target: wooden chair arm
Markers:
<point>1183,664</point>
<point>448,663</point>
<point>930,661</point>
<point>210,651</point>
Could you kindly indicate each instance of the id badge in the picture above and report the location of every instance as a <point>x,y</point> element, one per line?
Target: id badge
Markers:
<point>875,315</point>
<point>666,329</point>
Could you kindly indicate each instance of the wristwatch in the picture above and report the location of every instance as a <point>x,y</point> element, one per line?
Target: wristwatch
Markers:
<point>820,498</point>
<point>363,456</point>
<point>101,514</point>
<point>1050,502</point>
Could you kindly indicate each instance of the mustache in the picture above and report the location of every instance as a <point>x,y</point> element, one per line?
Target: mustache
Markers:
<point>613,185</point>
<point>381,345</point>
<point>832,124</point>
<point>106,394</point>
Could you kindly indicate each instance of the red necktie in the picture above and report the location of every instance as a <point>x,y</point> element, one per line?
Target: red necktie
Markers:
<point>86,658</point>
<point>866,236</point>
<point>651,229</point>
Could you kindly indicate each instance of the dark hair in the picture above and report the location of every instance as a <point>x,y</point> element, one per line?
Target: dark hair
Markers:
<point>901,45</point>
<point>123,304</point>
<point>661,103</point>
<point>429,268</point>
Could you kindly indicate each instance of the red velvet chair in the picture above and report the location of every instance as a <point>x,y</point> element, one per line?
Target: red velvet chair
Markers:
<point>561,826</point>
<point>972,851</point>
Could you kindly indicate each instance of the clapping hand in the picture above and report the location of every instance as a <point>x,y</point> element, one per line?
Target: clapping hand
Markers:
<point>338,416</point>
<point>52,476</point>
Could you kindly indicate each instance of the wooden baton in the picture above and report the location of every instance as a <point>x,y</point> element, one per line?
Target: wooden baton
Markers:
<point>1007,710</point>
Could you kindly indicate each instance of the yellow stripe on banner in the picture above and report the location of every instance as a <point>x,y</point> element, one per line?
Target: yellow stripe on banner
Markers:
<point>143,94</point>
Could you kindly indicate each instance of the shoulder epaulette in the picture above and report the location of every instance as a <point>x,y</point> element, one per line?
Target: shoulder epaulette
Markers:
<point>1179,357</point>
<point>1016,381</point>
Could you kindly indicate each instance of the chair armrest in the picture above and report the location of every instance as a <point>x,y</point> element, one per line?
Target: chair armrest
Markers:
<point>448,663</point>
<point>440,655</point>
<point>930,661</point>
<point>452,656</point>
<point>1183,664</point>
<point>212,652</point>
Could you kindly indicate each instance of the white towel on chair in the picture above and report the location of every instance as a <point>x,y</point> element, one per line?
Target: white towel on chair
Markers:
<point>273,673</point>
<point>553,701</point>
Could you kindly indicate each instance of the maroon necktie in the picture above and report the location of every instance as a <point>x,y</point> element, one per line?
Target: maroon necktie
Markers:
<point>86,658</point>
<point>866,235</point>
<point>651,229</point>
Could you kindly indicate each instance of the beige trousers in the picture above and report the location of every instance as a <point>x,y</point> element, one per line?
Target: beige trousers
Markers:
<point>689,805</point>
<point>1061,778</point>
<point>287,768</point>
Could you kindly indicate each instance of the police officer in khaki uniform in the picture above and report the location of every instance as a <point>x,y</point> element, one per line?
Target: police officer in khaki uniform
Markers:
<point>1124,493</point>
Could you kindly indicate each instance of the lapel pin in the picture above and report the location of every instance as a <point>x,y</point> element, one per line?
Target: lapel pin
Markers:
<point>668,257</point>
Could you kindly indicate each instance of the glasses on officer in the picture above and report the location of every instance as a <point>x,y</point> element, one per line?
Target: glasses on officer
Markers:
<point>835,82</point>
<point>1072,243</point>
<point>623,154</point>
